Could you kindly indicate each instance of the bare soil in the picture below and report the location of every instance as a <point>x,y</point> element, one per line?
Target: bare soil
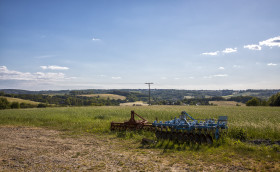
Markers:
<point>38,149</point>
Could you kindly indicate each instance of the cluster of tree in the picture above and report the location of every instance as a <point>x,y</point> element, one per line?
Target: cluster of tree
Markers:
<point>5,104</point>
<point>131,96</point>
<point>66,100</point>
<point>256,102</point>
<point>274,100</point>
<point>201,101</point>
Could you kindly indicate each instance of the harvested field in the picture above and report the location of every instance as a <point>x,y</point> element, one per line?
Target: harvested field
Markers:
<point>38,149</point>
<point>138,103</point>
<point>105,96</point>
<point>11,99</point>
<point>227,103</point>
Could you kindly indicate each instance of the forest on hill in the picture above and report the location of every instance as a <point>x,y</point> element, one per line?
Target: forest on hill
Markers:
<point>158,97</point>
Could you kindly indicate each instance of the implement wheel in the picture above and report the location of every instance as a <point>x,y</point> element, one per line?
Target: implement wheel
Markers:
<point>197,139</point>
<point>186,138</point>
<point>158,134</point>
<point>191,137</point>
<point>164,135</point>
<point>209,139</point>
<point>169,135</point>
<point>203,139</point>
<point>180,137</point>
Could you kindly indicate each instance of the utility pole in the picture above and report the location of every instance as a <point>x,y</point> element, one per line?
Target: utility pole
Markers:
<point>149,83</point>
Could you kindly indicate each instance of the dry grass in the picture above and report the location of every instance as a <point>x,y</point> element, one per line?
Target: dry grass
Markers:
<point>138,103</point>
<point>10,99</point>
<point>39,149</point>
<point>226,103</point>
<point>105,96</point>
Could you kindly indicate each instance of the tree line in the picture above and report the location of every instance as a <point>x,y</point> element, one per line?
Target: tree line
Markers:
<point>57,100</point>
<point>74,98</point>
<point>274,100</point>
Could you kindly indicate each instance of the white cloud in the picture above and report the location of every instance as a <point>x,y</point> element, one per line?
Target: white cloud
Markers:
<point>101,76</point>
<point>6,74</point>
<point>211,53</point>
<point>177,78</point>
<point>49,76</point>
<point>54,67</point>
<point>271,42</point>
<point>218,75</point>
<point>207,77</point>
<point>271,64</point>
<point>225,51</point>
<point>236,66</point>
<point>116,77</point>
<point>191,77</point>
<point>221,75</point>
<point>229,50</point>
<point>253,47</point>
<point>221,68</point>
<point>44,56</point>
<point>95,39</point>
<point>163,77</point>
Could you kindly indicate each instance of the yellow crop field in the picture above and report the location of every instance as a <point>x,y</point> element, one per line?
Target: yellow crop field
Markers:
<point>105,96</point>
<point>226,103</point>
<point>138,103</point>
<point>11,99</point>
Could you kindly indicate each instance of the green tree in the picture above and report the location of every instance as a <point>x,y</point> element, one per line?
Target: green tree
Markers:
<point>41,105</point>
<point>274,100</point>
<point>4,104</point>
<point>15,105</point>
<point>253,102</point>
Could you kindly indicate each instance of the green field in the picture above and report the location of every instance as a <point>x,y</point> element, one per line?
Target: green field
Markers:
<point>258,122</point>
<point>255,122</point>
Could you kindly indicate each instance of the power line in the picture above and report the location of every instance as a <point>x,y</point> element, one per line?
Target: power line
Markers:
<point>149,83</point>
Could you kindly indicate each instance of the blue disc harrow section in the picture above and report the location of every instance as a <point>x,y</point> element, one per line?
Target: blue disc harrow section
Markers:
<point>186,129</point>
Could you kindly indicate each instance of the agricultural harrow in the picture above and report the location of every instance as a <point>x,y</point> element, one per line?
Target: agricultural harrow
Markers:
<point>184,130</point>
<point>132,124</point>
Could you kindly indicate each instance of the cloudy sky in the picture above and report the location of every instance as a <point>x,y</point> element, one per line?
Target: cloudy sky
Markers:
<point>180,44</point>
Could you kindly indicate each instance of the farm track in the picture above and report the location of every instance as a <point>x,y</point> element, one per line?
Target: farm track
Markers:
<point>38,149</point>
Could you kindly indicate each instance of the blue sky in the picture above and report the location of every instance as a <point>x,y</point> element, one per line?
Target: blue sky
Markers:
<point>123,44</point>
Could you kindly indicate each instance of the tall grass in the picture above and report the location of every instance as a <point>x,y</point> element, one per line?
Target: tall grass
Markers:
<point>257,122</point>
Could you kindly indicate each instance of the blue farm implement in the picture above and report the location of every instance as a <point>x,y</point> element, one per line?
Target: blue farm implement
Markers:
<point>186,129</point>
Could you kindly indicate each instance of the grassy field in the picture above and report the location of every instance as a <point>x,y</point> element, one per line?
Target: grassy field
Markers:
<point>11,99</point>
<point>258,122</point>
<point>105,96</point>
<point>255,122</point>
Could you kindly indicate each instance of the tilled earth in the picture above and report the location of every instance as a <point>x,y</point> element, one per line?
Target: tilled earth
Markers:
<point>38,149</point>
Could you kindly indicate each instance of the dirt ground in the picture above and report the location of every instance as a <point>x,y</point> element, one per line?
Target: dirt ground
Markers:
<point>38,149</point>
